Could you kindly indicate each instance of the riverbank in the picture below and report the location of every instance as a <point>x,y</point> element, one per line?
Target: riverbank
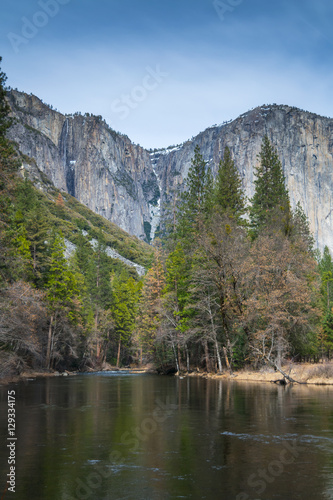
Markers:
<point>31,375</point>
<point>304,373</point>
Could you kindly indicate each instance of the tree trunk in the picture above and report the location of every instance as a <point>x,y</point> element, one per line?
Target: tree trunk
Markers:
<point>226,333</point>
<point>187,359</point>
<point>219,362</point>
<point>118,355</point>
<point>279,355</point>
<point>178,354</point>
<point>49,342</point>
<point>98,342</point>
<point>207,356</point>
<point>226,358</point>
<point>52,343</point>
<point>176,358</point>
<point>231,354</point>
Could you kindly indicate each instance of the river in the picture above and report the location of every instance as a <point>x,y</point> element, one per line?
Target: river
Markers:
<point>122,436</point>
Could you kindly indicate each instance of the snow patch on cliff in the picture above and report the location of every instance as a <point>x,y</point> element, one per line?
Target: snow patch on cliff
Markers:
<point>111,252</point>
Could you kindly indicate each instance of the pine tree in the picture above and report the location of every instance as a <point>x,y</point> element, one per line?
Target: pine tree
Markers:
<point>124,310</point>
<point>270,203</point>
<point>101,285</point>
<point>149,307</point>
<point>300,228</point>
<point>209,194</point>
<point>23,268</point>
<point>36,219</point>
<point>60,201</point>
<point>326,336</point>
<point>62,290</point>
<point>25,196</point>
<point>177,297</point>
<point>8,164</point>
<point>83,253</point>
<point>196,199</point>
<point>8,157</point>
<point>38,232</point>
<point>326,273</point>
<point>58,275</point>
<point>96,267</point>
<point>5,122</point>
<point>178,275</point>
<point>228,193</point>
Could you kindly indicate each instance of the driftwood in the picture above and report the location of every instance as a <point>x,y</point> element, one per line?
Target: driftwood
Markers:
<point>286,377</point>
<point>277,368</point>
<point>281,381</point>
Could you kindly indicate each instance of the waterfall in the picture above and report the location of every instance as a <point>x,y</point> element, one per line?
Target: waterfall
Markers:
<point>68,166</point>
<point>155,210</point>
<point>64,138</point>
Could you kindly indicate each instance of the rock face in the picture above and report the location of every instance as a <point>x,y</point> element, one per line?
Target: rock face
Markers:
<point>305,145</point>
<point>127,185</point>
<point>84,157</point>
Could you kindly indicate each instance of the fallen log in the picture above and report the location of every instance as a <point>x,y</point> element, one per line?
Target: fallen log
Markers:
<point>280,381</point>
<point>277,368</point>
<point>288,377</point>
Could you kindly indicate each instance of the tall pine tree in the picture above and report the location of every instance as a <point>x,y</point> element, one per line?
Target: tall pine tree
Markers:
<point>228,193</point>
<point>36,219</point>
<point>8,164</point>
<point>5,121</point>
<point>8,156</point>
<point>196,199</point>
<point>270,203</point>
<point>62,290</point>
<point>300,228</point>
<point>149,308</point>
<point>124,310</point>
<point>326,272</point>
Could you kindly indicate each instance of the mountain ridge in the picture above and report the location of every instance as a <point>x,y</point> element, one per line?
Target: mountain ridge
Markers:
<point>304,142</point>
<point>128,185</point>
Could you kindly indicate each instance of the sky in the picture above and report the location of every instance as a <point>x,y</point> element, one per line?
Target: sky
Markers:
<point>163,71</point>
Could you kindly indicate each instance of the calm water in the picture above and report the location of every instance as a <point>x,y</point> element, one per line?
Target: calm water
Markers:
<point>138,437</point>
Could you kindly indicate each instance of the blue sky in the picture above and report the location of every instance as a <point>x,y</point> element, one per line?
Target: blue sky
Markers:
<point>162,71</point>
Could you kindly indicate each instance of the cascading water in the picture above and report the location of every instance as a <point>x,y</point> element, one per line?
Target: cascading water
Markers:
<point>68,165</point>
<point>155,210</point>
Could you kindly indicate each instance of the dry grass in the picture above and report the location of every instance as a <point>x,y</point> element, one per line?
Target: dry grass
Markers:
<point>319,374</point>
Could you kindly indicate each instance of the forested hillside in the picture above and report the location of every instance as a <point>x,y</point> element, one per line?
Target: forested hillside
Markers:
<point>64,302</point>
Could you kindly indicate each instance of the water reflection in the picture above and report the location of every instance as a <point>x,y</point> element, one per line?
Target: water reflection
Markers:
<point>123,436</point>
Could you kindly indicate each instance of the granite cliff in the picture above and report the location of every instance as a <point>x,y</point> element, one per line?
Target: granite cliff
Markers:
<point>305,145</point>
<point>84,157</point>
<point>126,184</point>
